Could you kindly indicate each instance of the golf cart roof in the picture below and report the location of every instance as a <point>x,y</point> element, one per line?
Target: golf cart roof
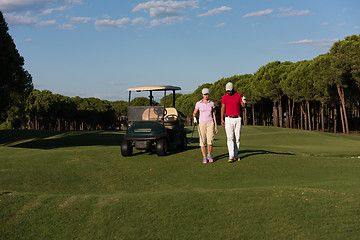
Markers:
<point>154,88</point>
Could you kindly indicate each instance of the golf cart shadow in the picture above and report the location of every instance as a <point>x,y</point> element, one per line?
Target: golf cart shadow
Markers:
<point>248,153</point>
<point>172,151</point>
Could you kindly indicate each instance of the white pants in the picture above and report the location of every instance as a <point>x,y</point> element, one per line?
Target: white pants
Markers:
<point>233,129</point>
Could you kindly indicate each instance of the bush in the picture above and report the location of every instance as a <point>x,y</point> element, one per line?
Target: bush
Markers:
<point>6,126</point>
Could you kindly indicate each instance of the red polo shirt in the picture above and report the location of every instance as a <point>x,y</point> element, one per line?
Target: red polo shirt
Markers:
<point>232,104</point>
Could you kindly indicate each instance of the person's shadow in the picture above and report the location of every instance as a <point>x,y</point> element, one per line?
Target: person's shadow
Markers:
<point>248,153</point>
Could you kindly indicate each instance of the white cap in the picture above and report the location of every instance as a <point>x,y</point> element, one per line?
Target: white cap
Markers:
<point>229,86</point>
<point>205,91</point>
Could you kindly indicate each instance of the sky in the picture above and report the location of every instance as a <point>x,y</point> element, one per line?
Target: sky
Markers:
<point>91,48</point>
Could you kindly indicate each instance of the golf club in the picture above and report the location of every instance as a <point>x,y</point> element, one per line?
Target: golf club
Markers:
<point>192,134</point>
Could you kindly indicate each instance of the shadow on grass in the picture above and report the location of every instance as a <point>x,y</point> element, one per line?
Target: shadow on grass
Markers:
<point>52,139</point>
<point>47,140</point>
<point>248,153</point>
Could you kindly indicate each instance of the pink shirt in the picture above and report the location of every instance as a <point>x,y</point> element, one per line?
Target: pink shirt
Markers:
<point>232,104</point>
<point>205,110</point>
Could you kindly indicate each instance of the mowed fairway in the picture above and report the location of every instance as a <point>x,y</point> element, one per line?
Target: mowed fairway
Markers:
<point>290,184</point>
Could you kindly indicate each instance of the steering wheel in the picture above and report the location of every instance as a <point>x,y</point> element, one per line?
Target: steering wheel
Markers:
<point>170,117</point>
<point>160,112</point>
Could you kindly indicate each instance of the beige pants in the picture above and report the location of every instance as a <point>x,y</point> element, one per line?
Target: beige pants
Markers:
<point>206,134</point>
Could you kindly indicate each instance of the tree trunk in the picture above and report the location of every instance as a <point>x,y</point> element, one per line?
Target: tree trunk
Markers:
<point>245,116</point>
<point>302,117</point>
<point>263,119</point>
<point>322,117</point>
<point>275,115</point>
<point>335,119</point>
<point>308,112</point>
<point>343,108</point>
<point>29,123</point>
<point>288,109</point>
<point>36,123</point>
<point>253,113</point>
<point>280,112</point>
<point>342,119</point>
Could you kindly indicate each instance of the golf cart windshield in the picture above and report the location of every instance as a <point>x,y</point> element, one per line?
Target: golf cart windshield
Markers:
<point>146,113</point>
<point>151,112</point>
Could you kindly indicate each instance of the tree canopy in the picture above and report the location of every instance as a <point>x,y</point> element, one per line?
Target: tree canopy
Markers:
<point>15,81</point>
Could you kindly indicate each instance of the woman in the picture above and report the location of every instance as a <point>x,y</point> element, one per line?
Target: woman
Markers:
<point>207,121</point>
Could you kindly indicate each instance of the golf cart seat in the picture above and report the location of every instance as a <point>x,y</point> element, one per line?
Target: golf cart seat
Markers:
<point>153,114</point>
<point>171,118</point>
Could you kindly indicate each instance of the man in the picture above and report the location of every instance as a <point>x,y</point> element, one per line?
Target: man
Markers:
<point>231,104</point>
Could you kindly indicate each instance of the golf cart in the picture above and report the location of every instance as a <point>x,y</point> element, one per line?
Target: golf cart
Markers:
<point>153,128</point>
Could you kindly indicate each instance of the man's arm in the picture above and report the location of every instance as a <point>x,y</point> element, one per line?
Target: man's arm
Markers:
<point>222,114</point>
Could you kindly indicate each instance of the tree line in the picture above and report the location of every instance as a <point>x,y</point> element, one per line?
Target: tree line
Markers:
<point>318,94</point>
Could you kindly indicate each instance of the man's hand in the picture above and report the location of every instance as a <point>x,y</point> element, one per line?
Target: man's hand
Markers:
<point>195,120</point>
<point>222,122</point>
<point>244,99</point>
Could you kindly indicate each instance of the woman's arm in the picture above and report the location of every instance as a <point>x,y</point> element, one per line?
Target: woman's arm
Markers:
<point>214,117</point>
<point>195,111</point>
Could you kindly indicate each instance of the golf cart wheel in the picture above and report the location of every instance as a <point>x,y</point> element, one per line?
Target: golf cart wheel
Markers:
<point>161,147</point>
<point>126,148</point>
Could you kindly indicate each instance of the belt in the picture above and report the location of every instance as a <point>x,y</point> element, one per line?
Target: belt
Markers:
<point>232,116</point>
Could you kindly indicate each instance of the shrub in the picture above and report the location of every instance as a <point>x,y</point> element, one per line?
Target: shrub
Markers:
<point>6,126</point>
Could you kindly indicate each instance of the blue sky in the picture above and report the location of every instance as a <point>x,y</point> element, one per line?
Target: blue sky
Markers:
<point>99,49</point>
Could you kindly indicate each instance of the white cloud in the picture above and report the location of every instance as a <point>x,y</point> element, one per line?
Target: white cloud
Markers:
<point>45,23</point>
<point>107,23</point>
<point>80,19</point>
<point>52,10</point>
<point>259,13</point>
<point>220,25</point>
<point>292,12</point>
<point>165,8</point>
<point>26,5</point>
<point>107,96</point>
<point>166,20</point>
<point>73,1</point>
<point>67,26</point>
<point>321,43</point>
<point>139,20</point>
<point>20,20</point>
<point>216,11</point>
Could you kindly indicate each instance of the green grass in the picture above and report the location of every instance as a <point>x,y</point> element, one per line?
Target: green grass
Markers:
<point>290,184</point>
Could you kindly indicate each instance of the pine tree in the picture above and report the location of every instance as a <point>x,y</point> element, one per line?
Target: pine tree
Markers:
<point>15,81</point>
